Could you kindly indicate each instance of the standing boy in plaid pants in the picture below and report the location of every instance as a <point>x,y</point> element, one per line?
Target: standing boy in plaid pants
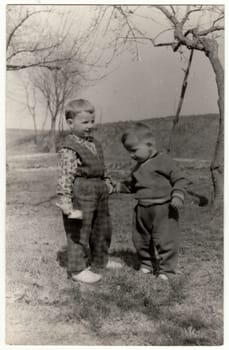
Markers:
<point>83,191</point>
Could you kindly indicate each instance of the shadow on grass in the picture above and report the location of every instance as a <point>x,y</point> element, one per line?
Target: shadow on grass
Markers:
<point>126,296</point>
<point>202,201</point>
<point>131,294</point>
<point>62,258</point>
<point>126,255</point>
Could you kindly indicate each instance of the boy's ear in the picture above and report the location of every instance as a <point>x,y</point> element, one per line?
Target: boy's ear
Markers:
<point>69,122</point>
<point>151,144</point>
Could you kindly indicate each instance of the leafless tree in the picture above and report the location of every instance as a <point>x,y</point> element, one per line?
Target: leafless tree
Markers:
<point>36,33</point>
<point>194,27</point>
<point>53,54</point>
<point>55,87</point>
<point>58,85</point>
<point>32,40</point>
<point>24,45</point>
<point>31,105</point>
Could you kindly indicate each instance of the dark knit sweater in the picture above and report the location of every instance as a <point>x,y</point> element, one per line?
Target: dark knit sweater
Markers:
<point>157,180</point>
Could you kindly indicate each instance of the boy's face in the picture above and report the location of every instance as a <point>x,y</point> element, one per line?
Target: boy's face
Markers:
<point>83,123</point>
<point>139,151</point>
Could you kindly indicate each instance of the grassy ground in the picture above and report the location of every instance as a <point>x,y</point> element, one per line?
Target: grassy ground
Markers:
<point>125,308</point>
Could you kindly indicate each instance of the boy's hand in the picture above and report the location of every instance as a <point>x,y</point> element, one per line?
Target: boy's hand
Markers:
<point>116,187</point>
<point>176,203</point>
<point>110,187</point>
<point>76,214</point>
<point>66,208</point>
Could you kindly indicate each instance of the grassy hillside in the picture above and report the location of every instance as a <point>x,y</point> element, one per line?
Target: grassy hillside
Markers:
<point>194,138</point>
<point>20,141</point>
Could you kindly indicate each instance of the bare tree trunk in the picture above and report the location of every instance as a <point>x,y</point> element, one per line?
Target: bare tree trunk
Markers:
<point>217,164</point>
<point>183,90</point>
<point>31,103</point>
<point>35,130</point>
<point>61,123</point>
<point>52,136</point>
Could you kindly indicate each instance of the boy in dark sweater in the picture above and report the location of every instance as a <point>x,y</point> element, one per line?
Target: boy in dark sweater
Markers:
<point>83,190</point>
<point>159,189</point>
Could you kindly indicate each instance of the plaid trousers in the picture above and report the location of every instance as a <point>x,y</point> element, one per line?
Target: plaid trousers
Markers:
<point>88,240</point>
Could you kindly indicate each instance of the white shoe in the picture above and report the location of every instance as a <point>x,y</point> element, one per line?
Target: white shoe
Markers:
<point>86,276</point>
<point>113,265</point>
<point>145,270</point>
<point>163,277</point>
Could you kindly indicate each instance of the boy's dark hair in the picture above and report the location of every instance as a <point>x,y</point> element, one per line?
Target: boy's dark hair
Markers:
<point>76,106</point>
<point>140,131</point>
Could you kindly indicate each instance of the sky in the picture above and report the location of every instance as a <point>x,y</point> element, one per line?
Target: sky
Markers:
<point>134,89</point>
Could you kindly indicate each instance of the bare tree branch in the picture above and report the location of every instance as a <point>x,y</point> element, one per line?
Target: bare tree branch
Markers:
<point>20,23</point>
<point>120,9</point>
<point>35,49</point>
<point>218,19</point>
<point>11,67</point>
<point>172,8</point>
<point>109,20</point>
<point>170,16</point>
<point>33,52</point>
<point>162,32</point>
<point>189,12</point>
<point>210,30</point>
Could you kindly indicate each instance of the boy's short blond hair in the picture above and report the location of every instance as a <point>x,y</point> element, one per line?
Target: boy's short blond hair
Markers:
<point>76,106</point>
<point>138,131</point>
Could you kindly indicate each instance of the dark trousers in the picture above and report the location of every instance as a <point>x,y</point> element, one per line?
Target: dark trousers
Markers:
<point>88,240</point>
<point>156,237</point>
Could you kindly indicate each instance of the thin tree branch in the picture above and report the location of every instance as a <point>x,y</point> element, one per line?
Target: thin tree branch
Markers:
<point>27,16</point>
<point>171,43</point>
<point>162,32</point>
<point>109,20</point>
<point>189,12</point>
<point>171,17</point>
<point>218,19</point>
<point>32,50</point>
<point>173,11</point>
<point>119,8</point>
<point>210,30</point>
<point>11,67</point>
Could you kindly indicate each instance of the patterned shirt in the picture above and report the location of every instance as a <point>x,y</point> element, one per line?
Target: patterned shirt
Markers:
<point>68,162</point>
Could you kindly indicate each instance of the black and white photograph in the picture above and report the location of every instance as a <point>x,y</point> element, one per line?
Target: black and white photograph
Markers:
<point>114,174</point>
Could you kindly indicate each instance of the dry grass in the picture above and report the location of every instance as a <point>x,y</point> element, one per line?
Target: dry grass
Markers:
<point>125,308</point>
